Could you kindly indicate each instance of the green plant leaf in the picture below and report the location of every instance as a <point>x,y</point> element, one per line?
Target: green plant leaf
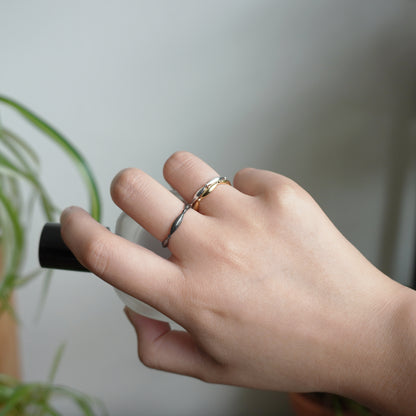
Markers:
<point>49,410</point>
<point>19,162</point>
<point>15,149</point>
<point>34,399</point>
<point>84,402</point>
<point>45,290</point>
<point>23,280</point>
<point>13,252</point>
<point>8,168</point>
<point>21,146</point>
<point>65,145</point>
<point>5,393</point>
<point>20,394</point>
<point>55,364</point>
<point>47,389</point>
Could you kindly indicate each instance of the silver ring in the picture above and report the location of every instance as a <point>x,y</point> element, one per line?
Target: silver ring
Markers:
<point>175,225</point>
<point>200,194</point>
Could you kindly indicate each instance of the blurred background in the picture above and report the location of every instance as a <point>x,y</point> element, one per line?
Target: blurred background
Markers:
<point>323,91</point>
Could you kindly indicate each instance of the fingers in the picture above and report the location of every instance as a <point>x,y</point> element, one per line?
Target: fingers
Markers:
<point>161,348</point>
<point>187,173</point>
<point>155,208</point>
<point>148,202</point>
<point>127,266</point>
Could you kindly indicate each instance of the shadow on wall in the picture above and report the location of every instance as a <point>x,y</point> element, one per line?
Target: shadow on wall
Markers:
<point>352,105</point>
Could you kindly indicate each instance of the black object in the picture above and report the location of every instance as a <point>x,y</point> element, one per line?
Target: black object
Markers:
<point>53,253</point>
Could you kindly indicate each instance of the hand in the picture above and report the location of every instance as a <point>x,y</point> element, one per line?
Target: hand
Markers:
<point>270,293</point>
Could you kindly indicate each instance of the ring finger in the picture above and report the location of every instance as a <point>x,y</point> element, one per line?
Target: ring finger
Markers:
<point>186,173</point>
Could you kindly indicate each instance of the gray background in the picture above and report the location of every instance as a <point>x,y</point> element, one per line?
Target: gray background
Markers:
<point>320,90</point>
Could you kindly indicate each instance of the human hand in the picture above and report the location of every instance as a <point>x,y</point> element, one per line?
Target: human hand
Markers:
<point>271,295</point>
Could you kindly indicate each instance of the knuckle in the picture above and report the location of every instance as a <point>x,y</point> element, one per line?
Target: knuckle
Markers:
<point>242,173</point>
<point>96,255</point>
<point>285,192</point>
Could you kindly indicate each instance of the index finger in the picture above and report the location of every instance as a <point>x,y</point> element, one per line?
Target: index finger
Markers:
<point>121,263</point>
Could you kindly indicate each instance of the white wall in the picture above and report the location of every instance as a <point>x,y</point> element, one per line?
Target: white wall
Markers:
<point>319,90</point>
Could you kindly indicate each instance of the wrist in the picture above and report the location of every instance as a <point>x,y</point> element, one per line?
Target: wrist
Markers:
<point>384,375</point>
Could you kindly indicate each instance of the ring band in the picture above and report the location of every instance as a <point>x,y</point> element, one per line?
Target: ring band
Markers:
<point>205,190</point>
<point>200,194</point>
<point>175,225</point>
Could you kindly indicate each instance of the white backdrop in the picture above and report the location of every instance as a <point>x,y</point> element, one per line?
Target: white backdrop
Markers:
<point>322,91</point>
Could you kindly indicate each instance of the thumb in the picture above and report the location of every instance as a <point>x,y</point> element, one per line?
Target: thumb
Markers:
<point>146,327</point>
<point>162,348</point>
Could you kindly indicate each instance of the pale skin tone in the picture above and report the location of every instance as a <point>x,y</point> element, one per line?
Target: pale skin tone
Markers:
<point>270,293</point>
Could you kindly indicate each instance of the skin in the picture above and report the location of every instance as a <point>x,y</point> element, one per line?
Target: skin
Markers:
<point>271,295</point>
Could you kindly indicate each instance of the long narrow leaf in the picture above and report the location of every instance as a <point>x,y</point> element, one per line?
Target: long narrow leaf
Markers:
<point>14,149</point>
<point>15,256</point>
<point>47,409</point>
<point>48,389</point>
<point>11,187</point>
<point>9,168</point>
<point>45,290</point>
<point>23,280</point>
<point>18,161</point>
<point>20,394</point>
<point>27,149</point>
<point>5,394</point>
<point>64,143</point>
<point>85,403</point>
<point>55,364</point>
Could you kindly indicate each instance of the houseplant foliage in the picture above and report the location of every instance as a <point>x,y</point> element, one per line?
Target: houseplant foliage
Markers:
<point>21,189</point>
